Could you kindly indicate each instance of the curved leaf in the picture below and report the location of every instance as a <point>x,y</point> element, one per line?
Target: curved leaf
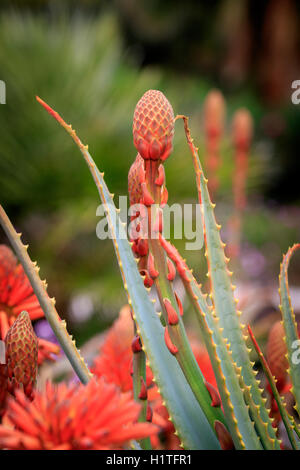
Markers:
<point>222,290</point>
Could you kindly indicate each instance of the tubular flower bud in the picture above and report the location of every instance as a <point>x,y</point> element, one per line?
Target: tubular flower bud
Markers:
<point>134,180</point>
<point>171,270</point>
<point>136,345</point>
<point>215,397</point>
<point>171,347</point>
<point>148,281</point>
<point>149,413</point>
<point>276,354</point>
<point>21,355</point>
<point>143,395</point>
<point>171,312</point>
<point>153,273</point>
<point>224,437</point>
<point>153,126</point>
<point>3,387</point>
<point>161,176</point>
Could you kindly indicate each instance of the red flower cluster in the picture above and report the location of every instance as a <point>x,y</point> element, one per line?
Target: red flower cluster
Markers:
<point>96,416</point>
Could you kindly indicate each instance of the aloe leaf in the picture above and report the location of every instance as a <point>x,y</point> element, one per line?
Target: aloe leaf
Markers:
<point>48,305</point>
<point>284,415</point>
<point>227,374</point>
<point>190,422</point>
<point>289,323</point>
<point>222,290</point>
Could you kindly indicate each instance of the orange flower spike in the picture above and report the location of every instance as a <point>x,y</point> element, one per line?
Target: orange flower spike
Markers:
<point>21,355</point>
<point>214,115</point>
<point>153,126</point>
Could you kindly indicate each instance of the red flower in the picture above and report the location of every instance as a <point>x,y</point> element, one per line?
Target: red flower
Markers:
<point>153,126</point>
<point>114,364</point>
<point>16,293</point>
<point>96,416</point>
<point>21,355</point>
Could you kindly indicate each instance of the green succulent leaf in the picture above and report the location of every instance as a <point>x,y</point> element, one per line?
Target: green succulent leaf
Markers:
<point>222,292</point>
<point>228,376</point>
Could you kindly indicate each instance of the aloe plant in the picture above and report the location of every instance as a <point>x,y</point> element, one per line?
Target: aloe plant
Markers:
<point>235,416</point>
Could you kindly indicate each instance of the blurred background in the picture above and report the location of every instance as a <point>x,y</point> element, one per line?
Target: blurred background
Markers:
<point>92,60</point>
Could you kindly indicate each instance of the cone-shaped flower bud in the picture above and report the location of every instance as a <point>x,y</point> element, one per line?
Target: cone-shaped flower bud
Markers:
<point>21,355</point>
<point>153,126</point>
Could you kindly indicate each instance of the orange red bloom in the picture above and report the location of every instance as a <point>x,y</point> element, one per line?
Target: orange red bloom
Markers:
<point>94,416</point>
<point>16,295</point>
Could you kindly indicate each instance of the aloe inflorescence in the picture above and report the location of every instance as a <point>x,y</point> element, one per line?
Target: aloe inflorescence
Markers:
<point>236,415</point>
